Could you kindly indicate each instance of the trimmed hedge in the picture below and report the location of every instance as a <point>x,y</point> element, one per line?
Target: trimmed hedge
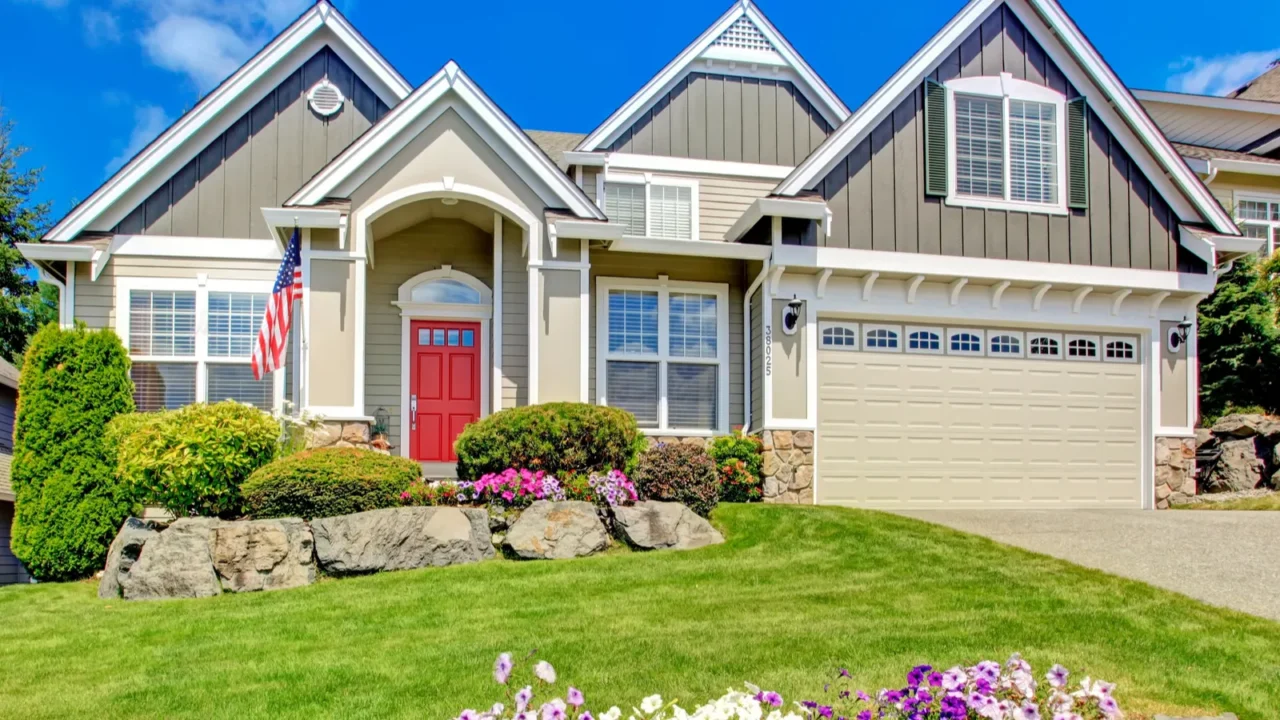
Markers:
<point>681,473</point>
<point>192,461</point>
<point>69,503</point>
<point>558,438</point>
<point>329,482</point>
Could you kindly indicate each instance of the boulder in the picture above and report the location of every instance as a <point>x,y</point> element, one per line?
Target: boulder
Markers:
<point>664,525</point>
<point>1238,468</point>
<point>557,530</point>
<point>176,563</point>
<point>1243,425</point>
<point>401,539</point>
<point>263,554</point>
<point>123,553</point>
<point>1205,438</point>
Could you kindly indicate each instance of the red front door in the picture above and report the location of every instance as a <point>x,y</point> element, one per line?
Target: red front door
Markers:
<point>444,386</point>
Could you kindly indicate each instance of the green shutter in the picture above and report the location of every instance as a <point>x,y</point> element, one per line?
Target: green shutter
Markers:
<point>935,138</point>
<point>1078,153</point>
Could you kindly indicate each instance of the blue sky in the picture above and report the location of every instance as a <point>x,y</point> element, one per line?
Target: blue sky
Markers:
<point>89,83</point>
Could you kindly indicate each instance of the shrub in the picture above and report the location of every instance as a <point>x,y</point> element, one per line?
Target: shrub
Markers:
<point>328,482</point>
<point>69,503</point>
<point>738,460</point>
<point>678,473</point>
<point>557,438</point>
<point>192,461</point>
<point>421,493</point>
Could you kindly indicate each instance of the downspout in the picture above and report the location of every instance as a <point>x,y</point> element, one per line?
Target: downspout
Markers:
<point>746,335</point>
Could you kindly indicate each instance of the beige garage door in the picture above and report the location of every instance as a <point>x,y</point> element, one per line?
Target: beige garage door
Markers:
<point>993,427</point>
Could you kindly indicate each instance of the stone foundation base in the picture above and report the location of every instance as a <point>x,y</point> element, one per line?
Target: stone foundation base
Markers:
<point>1175,470</point>
<point>701,442</point>
<point>345,434</point>
<point>788,466</point>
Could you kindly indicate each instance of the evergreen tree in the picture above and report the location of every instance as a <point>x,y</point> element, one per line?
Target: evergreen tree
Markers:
<point>1239,341</point>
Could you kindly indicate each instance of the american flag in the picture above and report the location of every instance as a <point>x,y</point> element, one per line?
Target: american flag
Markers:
<point>268,352</point>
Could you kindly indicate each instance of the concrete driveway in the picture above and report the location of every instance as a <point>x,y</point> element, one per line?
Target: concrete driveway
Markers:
<point>1225,558</point>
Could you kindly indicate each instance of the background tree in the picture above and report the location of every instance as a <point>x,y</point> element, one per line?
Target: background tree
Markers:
<point>25,304</point>
<point>1239,341</point>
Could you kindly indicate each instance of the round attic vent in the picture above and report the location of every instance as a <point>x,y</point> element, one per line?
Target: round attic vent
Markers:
<point>325,98</point>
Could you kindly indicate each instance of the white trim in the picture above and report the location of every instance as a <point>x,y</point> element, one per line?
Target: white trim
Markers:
<point>584,321</point>
<point>499,320</point>
<point>443,313</point>
<point>956,286</point>
<point>226,103</point>
<point>777,207</point>
<point>747,388</point>
<point>1117,299</point>
<point>390,135</point>
<point>663,286</point>
<point>1273,225</point>
<point>868,283</point>
<point>302,217</point>
<point>582,230</point>
<point>51,252</point>
<point>698,248</point>
<point>912,287</point>
<point>662,163</point>
<point>826,101</point>
<point>1216,102</point>
<point>191,247</point>
<point>304,369</point>
<point>404,295</point>
<point>1039,293</point>
<point>1077,297</point>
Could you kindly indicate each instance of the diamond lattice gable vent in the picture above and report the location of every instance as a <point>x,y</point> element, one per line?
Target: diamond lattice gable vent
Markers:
<point>325,98</point>
<point>744,35</point>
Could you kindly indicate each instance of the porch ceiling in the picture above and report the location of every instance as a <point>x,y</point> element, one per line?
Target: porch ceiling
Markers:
<point>414,213</point>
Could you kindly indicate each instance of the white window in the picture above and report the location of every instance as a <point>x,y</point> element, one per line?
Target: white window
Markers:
<point>1082,347</point>
<point>648,206</point>
<point>840,337</point>
<point>663,353</point>
<point>193,344</point>
<point>1119,350</point>
<point>964,341</point>
<point>1259,217</point>
<point>882,338</point>
<point>924,340</point>
<point>1044,346</point>
<point>1005,343</point>
<point>1006,144</point>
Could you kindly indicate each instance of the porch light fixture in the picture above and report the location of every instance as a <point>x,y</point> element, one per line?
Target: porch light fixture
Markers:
<point>1178,335</point>
<point>791,316</point>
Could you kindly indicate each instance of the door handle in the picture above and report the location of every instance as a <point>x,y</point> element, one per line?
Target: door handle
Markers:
<point>413,412</point>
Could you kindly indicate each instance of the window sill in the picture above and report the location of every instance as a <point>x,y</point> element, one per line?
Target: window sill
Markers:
<point>1009,205</point>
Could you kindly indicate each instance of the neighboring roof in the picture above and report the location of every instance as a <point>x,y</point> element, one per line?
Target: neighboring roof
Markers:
<point>8,374</point>
<point>1264,87</point>
<point>1051,14</point>
<point>1207,153</point>
<point>741,38</point>
<point>450,84</point>
<point>6,472</point>
<point>1269,107</point>
<point>555,144</point>
<point>221,108</point>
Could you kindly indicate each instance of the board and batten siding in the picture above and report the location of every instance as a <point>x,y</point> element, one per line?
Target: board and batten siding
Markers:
<point>688,269</point>
<point>261,160</point>
<point>720,117</point>
<point>400,256</point>
<point>876,192</point>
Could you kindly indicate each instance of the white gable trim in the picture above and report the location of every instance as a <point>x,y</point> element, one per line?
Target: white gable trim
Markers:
<point>193,131</point>
<point>1122,114</point>
<point>823,98</point>
<point>395,131</point>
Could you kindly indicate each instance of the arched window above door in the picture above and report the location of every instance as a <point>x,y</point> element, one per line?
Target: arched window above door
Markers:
<point>445,290</point>
<point>444,293</point>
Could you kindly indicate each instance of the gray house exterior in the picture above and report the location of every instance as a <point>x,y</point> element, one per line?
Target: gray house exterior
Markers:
<point>11,570</point>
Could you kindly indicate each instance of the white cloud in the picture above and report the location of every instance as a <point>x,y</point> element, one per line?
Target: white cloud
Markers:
<point>100,27</point>
<point>1220,75</point>
<point>148,122</point>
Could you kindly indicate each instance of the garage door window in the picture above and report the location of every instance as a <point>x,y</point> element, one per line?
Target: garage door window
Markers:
<point>840,337</point>
<point>1081,348</point>
<point>1045,347</point>
<point>882,339</point>
<point>965,342</point>
<point>924,340</point>
<point>1006,344</point>
<point>1119,350</point>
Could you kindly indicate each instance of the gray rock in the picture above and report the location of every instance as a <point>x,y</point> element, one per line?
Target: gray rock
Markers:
<point>1239,467</point>
<point>122,554</point>
<point>401,539</point>
<point>263,554</point>
<point>557,530</point>
<point>1243,425</point>
<point>661,525</point>
<point>1205,438</point>
<point>176,563</point>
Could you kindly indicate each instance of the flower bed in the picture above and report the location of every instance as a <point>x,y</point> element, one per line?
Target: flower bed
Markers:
<point>516,489</point>
<point>986,691</point>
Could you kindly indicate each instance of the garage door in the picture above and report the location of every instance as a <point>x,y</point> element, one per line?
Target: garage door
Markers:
<point>916,417</point>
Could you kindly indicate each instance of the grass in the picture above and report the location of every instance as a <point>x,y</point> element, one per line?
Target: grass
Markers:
<point>795,593</point>
<point>1264,502</point>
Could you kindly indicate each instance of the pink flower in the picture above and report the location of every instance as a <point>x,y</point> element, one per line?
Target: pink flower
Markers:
<point>575,697</point>
<point>553,710</point>
<point>508,495</point>
<point>523,697</point>
<point>502,668</point>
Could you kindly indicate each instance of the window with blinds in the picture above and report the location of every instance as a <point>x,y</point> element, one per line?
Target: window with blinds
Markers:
<point>162,323</point>
<point>1033,152</point>
<point>671,212</point>
<point>653,209</point>
<point>235,382</point>
<point>979,146</point>
<point>162,386</point>
<point>234,320</point>
<point>1260,219</point>
<point>625,204</point>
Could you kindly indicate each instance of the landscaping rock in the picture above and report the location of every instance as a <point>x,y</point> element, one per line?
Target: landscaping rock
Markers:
<point>263,555</point>
<point>1239,467</point>
<point>665,525</point>
<point>401,539</point>
<point>557,530</point>
<point>1241,425</point>
<point>176,563</point>
<point>1205,438</point>
<point>123,553</point>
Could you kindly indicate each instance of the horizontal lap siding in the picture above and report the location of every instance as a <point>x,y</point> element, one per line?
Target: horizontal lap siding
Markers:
<point>876,192</point>
<point>262,159</point>
<point>689,269</point>
<point>11,571</point>
<point>722,200</point>
<point>515,319</point>
<point>719,117</point>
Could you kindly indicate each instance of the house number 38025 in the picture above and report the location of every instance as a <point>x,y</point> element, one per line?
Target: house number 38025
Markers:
<point>768,350</point>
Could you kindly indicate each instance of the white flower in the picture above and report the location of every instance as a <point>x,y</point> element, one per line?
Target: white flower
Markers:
<point>613,714</point>
<point>651,704</point>
<point>545,672</point>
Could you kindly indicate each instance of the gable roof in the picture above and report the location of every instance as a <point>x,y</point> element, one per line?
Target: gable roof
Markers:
<point>219,108</point>
<point>1264,87</point>
<point>742,37</point>
<point>453,86</point>
<point>1119,108</point>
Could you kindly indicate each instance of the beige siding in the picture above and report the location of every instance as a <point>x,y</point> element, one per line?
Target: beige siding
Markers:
<point>717,117</point>
<point>693,269</point>
<point>331,327</point>
<point>589,179</point>
<point>1175,410</point>
<point>876,193</point>
<point>1227,184</point>
<point>515,319</point>
<point>423,247</point>
<point>790,369</point>
<point>560,340</point>
<point>722,200</point>
<point>11,571</point>
<point>757,359</point>
<point>262,159</point>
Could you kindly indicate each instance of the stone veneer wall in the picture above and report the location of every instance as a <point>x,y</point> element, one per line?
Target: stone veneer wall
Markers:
<point>788,466</point>
<point>354,434</point>
<point>1175,470</point>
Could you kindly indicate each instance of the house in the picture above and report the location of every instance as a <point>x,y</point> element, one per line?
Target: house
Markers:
<point>11,571</point>
<point>978,289</point>
<point>1233,144</point>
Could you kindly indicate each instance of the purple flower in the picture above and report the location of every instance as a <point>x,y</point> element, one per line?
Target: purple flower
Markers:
<point>545,672</point>
<point>808,703</point>
<point>988,670</point>
<point>553,710</point>
<point>523,697</point>
<point>935,679</point>
<point>863,696</point>
<point>575,697</point>
<point>502,668</point>
<point>954,679</point>
<point>1057,676</point>
<point>769,698</point>
<point>864,715</point>
<point>469,715</point>
<point>844,673</point>
<point>825,711</point>
<point>1028,711</point>
<point>890,697</point>
<point>586,715</point>
<point>917,675</point>
<point>1109,706</point>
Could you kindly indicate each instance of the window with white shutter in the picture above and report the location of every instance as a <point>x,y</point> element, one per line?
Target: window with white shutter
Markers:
<point>648,206</point>
<point>624,204</point>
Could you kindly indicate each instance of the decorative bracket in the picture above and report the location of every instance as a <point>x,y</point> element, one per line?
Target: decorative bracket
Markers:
<point>868,282</point>
<point>1077,297</point>
<point>956,286</point>
<point>1117,298</point>
<point>996,292</point>
<point>912,286</point>
<point>822,282</point>
<point>1037,294</point>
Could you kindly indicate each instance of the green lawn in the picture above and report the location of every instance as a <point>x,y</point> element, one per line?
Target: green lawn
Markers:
<point>1265,502</point>
<point>795,593</point>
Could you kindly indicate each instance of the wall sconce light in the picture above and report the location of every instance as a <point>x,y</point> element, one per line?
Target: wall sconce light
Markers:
<point>791,316</point>
<point>1178,335</point>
